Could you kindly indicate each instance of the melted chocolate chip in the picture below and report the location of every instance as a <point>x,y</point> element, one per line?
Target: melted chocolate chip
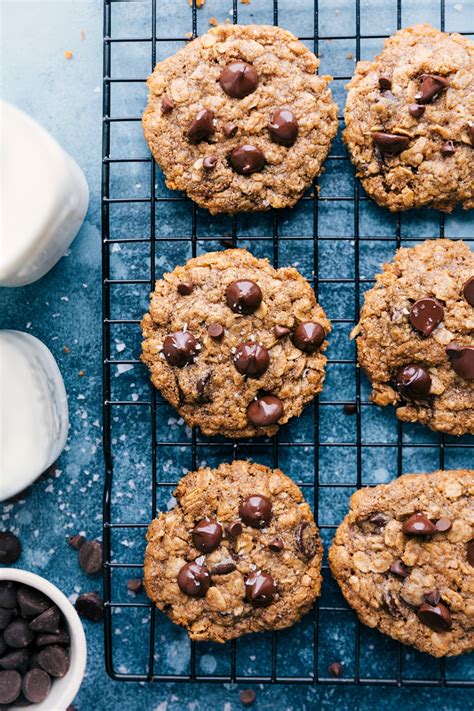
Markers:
<point>260,589</point>
<point>280,331</point>
<point>470,553</point>
<point>209,163</point>
<point>243,296</point>
<point>216,331</point>
<point>238,79</point>
<point>230,129</point>
<point>379,519</point>
<point>207,534</point>
<point>448,148</point>
<point>283,127</point>
<point>202,127</point>
<point>179,348</point>
<point>194,580</point>
<point>276,545</point>
<point>399,569</point>
<point>185,288</point>
<point>265,411</point>
<point>201,383</point>
<point>306,544</point>
<point>223,569</point>
<point>385,82</point>
<point>390,144</point>
<point>256,510</point>
<point>468,291</point>
<point>393,604</point>
<point>413,382</point>
<point>416,110</point>
<point>251,359</point>
<point>430,87</point>
<point>418,525</point>
<point>426,314</point>
<point>10,548</point>
<point>247,159</point>
<point>166,104</point>
<point>443,525</point>
<point>308,336</point>
<point>233,529</point>
<point>432,597</point>
<point>436,617</point>
<point>462,360</point>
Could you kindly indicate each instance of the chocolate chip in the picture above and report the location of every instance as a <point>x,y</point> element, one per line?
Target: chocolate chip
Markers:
<point>44,640</point>
<point>462,360</point>
<point>247,696</point>
<point>179,348</point>
<point>256,510</point>
<point>350,408</point>
<point>308,336</point>
<point>135,585</point>
<point>247,159</point>
<point>393,604</point>
<point>10,548</point>
<point>201,384</point>
<point>426,314</point>
<point>71,708</point>
<point>431,86</point>
<point>468,291</point>
<point>47,621</point>
<point>6,616</point>
<point>215,330</point>
<point>76,541</point>
<point>206,535</point>
<point>202,127</point>
<point>230,129</point>
<point>194,580</point>
<point>443,525</point>
<point>390,144</point>
<point>418,525</point>
<point>18,659</point>
<point>470,553</point>
<point>228,243</point>
<point>413,382</point>
<point>3,646</point>
<point>305,540</point>
<point>335,669</point>
<point>448,148</point>
<point>90,557</point>
<point>90,606</point>
<point>209,163</point>
<point>280,331</point>
<point>276,545</point>
<point>7,594</point>
<point>166,104</point>
<point>416,110</point>
<point>238,79</point>
<point>399,569</point>
<point>185,288</point>
<point>54,660</point>
<point>243,296</point>
<point>283,127</point>
<point>432,597</point>
<point>234,529</point>
<point>18,634</point>
<point>436,617</point>
<point>10,686</point>
<point>251,359</point>
<point>36,685</point>
<point>385,82</point>
<point>32,602</point>
<point>260,589</point>
<point>223,569</point>
<point>378,519</point>
<point>265,411</point>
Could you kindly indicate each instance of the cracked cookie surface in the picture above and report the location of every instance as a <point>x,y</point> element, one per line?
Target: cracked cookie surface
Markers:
<point>404,559</point>
<point>198,118</point>
<point>239,553</point>
<point>409,121</point>
<point>415,337</point>
<point>235,345</point>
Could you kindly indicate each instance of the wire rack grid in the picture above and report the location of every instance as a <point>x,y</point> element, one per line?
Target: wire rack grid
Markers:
<point>329,452</point>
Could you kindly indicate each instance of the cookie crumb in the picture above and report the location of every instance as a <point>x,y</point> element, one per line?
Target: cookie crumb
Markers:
<point>247,696</point>
<point>213,21</point>
<point>335,669</point>
<point>81,373</point>
<point>66,349</point>
<point>199,3</point>
<point>68,54</point>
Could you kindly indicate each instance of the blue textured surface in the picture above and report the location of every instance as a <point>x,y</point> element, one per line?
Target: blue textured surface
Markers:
<point>63,310</point>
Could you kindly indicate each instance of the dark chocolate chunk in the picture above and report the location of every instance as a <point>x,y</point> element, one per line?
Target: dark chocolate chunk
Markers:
<point>448,148</point>
<point>238,79</point>
<point>230,129</point>
<point>418,525</point>
<point>166,104</point>
<point>216,331</point>
<point>243,296</point>
<point>426,314</point>
<point>276,545</point>
<point>135,585</point>
<point>462,360</point>
<point>47,621</point>
<point>256,510</point>
<point>194,580</point>
<point>206,535</point>
<point>251,359</point>
<point>32,602</point>
<point>443,525</point>
<point>36,685</point>
<point>18,634</point>
<point>390,144</point>
<point>305,540</point>
<point>379,519</point>
<point>179,348</point>
<point>283,127</point>
<point>260,589</point>
<point>470,553</point>
<point>308,336</point>
<point>413,382</point>
<point>399,569</point>
<point>280,331</point>
<point>468,291</point>
<point>265,411</point>
<point>247,696</point>
<point>416,110</point>
<point>247,159</point>
<point>76,541</point>
<point>18,659</point>
<point>54,660</point>
<point>7,594</point>
<point>90,557</point>
<point>234,529</point>
<point>185,288</point>
<point>436,617</point>
<point>223,569</point>
<point>385,82</point>
<point>335,669</point>
<point>430,87</point>
<point>10,548</point>
<point>432,597</point>
<point>393,604</point>
<point>202,127</point>
<point>10,686</point>
<point>90,606</point>
<point>209,163</point>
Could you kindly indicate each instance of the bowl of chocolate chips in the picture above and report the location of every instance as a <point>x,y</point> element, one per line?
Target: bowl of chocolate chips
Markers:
<point>42,644</point>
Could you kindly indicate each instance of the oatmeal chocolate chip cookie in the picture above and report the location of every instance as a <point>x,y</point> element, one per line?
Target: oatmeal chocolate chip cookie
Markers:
<point>239,120</point>
<point>410,121</point>
<point>404,558</point>
<point>234,344</point>
<point>239,553</point>
<point>415,337</point>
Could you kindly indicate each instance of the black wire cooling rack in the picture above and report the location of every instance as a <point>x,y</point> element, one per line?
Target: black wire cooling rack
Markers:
<point>331,633</point>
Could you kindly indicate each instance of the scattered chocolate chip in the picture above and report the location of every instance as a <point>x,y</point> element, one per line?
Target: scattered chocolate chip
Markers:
<point>90,606</point>
<point>308,336</point>
<point>418,525</point>
<point>179,348</point>
<point>247,159</point>
<point>36,685</point>
<point>202,127</point>
<point>265,411</point>
<point>76,541</point>
<point>436,617</point>
<point>209,163</point>
<point>350,408</point>
<point>385,82</point>
<point>448,149</point>
<point>335,669</point>
<point>166,104</point>
<point>443,525</point>
<point>7,594</point>
<point>256,510</point>
<point>185,288</point>
<point>10,686</point>
<point>234,529</point>
<point>10,548</point>
<point>223,569</point>
<point>468,291</point>
<point>251,359</point>
<point>6,616</point>
<point>276,545</point>
<point>305,540</point>
<point>54,660</point>
<point>215,330</point>
<point>416,110</point>
<point>18,634</point>
<point>283,127</point>
<point>280,331</point>
<point>90,557</point>
<point>32,602</point>
<point>390,144</point>
<point>378,519</point>
<point>206,535</point>
<point>228,243</point>
<point>18,659</point>
<point>432,597</point>
<point>238,79</point>
<point>62,637</point>
<point>243,296</point>
<point>430,87</point>
<point>470,553</point>
<point>462,360</point>
<point>230,129</point>
<point>194,580</point>
<point>413,382</point>
<point>426,314</point>
<point>47,621</point>
<point>247,696</point>
<point>399,569</point>
<point>260,589</point>
<point>135,585</point>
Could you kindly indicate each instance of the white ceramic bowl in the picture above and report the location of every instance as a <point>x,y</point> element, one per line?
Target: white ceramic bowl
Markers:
<point>63,691</point>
